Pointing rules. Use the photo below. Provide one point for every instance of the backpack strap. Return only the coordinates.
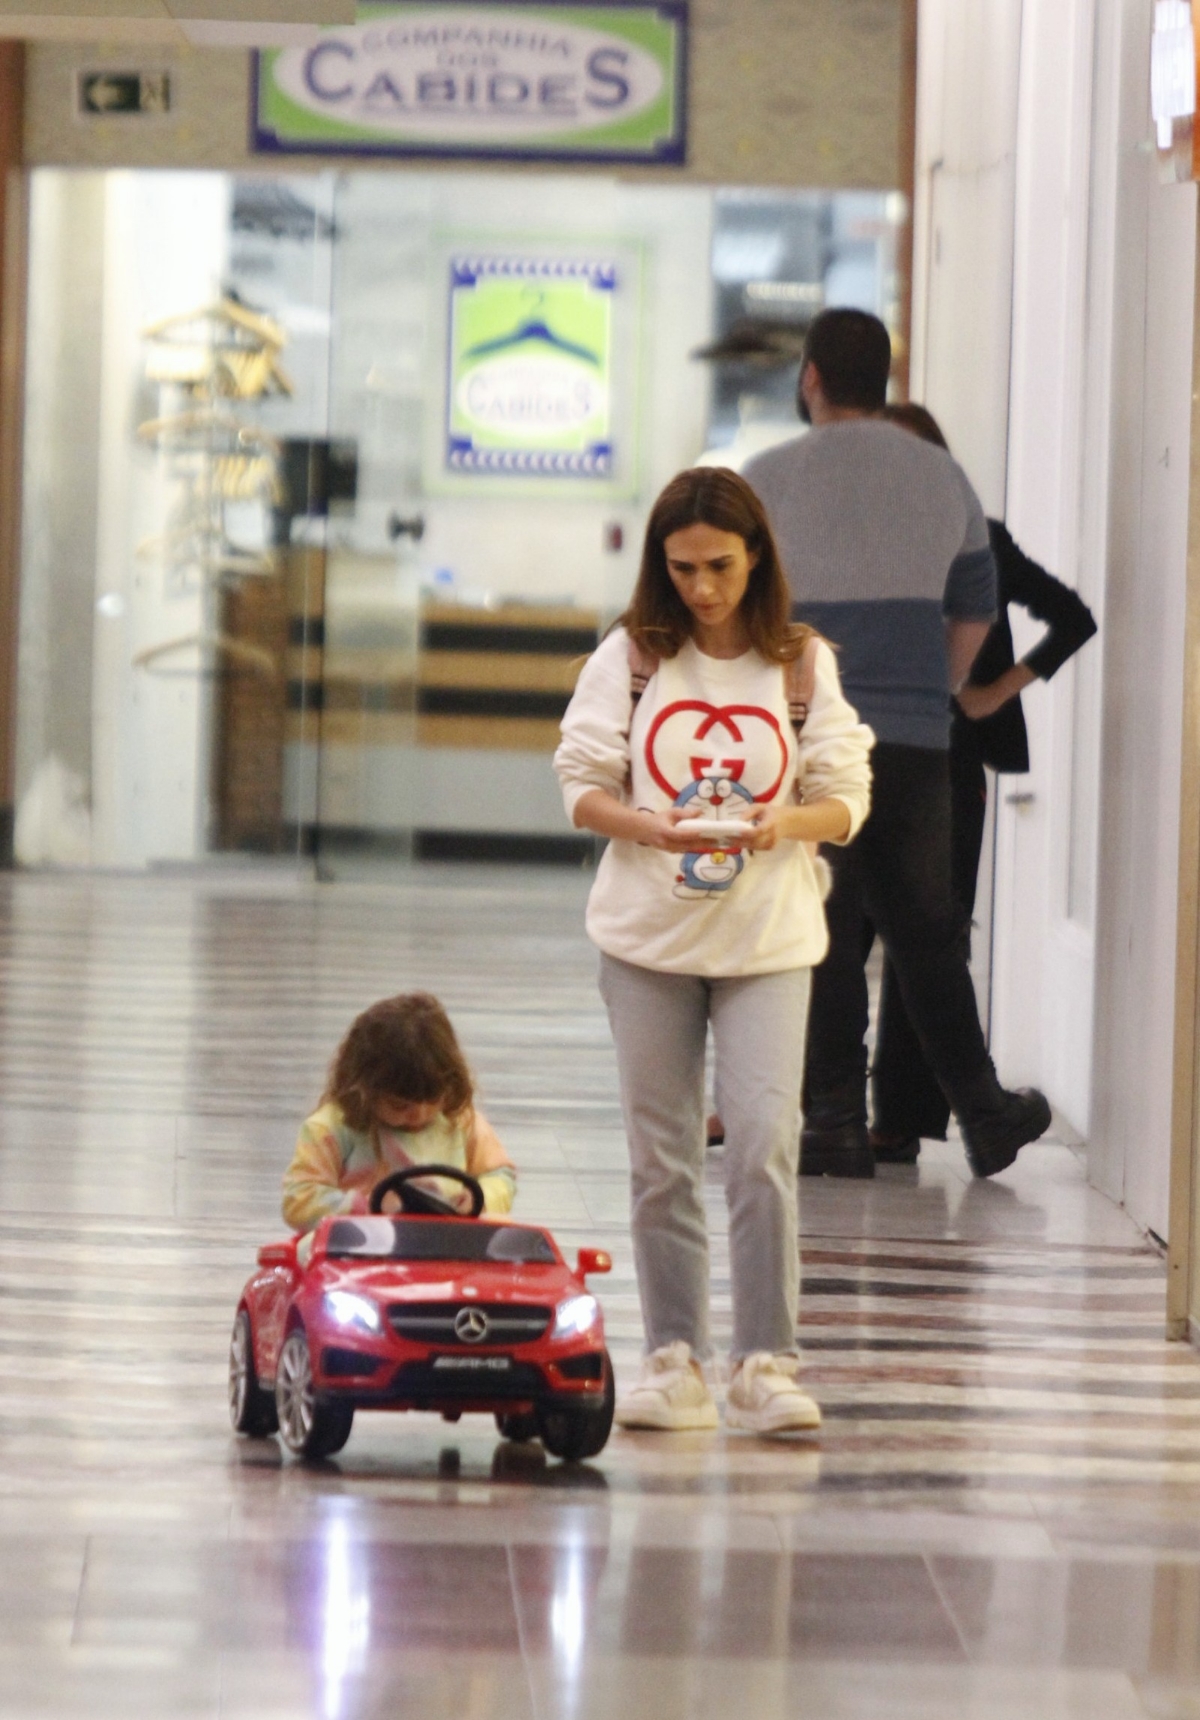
(800, 677)
(641, 666)
(800, 682)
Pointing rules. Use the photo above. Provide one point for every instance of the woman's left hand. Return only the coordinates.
(814, 821)
(769, 828)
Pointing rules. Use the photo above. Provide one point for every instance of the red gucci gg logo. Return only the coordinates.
(738, 737)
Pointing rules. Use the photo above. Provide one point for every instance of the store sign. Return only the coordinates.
(550, 82)
(529, 390)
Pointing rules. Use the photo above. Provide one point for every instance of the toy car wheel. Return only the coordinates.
(574, 1433)
(251, 1409)
(308, 1427)
(521, 1426)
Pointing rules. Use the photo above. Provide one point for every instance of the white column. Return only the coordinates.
(166, 238)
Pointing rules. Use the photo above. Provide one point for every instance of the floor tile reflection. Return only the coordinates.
(1001, 1516)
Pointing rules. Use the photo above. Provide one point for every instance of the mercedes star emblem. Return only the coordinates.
(471, 1325)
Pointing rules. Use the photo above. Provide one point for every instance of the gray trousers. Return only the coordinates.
(659, 1023)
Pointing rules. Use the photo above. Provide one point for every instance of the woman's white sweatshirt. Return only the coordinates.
(711, 734)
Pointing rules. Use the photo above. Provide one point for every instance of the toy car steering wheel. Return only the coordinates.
(423, 1200)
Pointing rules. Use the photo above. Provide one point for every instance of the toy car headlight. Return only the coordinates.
(578, 1314)
(347, 1309)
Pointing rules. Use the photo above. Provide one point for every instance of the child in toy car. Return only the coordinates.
(428, 1309)
(444, 1306)
(399, 1094)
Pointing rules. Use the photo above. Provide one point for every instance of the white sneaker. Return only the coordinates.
(763, 1396)
(671, 1395)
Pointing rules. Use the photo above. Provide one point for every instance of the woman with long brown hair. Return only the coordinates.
(708, 739)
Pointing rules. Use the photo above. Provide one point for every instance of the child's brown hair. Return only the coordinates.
(401, 1048)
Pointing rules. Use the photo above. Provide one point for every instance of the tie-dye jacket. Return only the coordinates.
(334, 1167)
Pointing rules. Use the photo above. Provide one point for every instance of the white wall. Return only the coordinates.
(61, 479)
(1152, 294)
(113, 761)
(1043, 951)
(164, 254)
(1052, 314)
(967, 81)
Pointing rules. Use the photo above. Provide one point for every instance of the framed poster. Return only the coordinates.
(529, 389)
(511, 80)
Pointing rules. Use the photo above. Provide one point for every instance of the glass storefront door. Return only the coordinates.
(491, 378)
(333, 479)
(164, 604)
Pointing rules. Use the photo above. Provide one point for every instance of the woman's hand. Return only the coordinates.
(602, 812)
(659, 831)
(977, 702)
(771, 827)
(825, 820)
(815, 821)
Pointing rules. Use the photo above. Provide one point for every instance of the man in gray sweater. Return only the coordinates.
(886, 548)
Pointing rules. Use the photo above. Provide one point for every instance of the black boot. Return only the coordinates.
(833, 1141)
(895, 1149)
(839, 1152)
(996, 1123)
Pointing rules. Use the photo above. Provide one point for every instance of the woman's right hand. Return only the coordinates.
(977, 702)
(661, 832)
(602, 812)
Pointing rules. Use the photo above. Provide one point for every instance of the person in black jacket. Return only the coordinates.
(988, 728)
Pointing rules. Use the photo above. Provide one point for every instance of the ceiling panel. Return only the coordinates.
(263, 11)
(208, 23)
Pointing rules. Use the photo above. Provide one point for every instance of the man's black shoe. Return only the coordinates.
(995, 1137)
(895, 1149)
(842, 1151)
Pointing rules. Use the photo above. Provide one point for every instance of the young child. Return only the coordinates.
(399, 1094)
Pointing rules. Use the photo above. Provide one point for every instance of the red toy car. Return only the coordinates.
(422, 1309)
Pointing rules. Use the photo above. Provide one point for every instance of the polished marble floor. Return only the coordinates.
(1000, 1518)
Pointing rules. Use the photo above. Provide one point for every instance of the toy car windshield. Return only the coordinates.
(422, 1239)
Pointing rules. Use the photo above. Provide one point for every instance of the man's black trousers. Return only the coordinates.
(907, 1101)
(896, 877)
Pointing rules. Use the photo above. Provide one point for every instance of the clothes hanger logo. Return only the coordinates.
(533, 330)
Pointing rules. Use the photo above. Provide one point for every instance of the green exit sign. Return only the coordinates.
(115, 93)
